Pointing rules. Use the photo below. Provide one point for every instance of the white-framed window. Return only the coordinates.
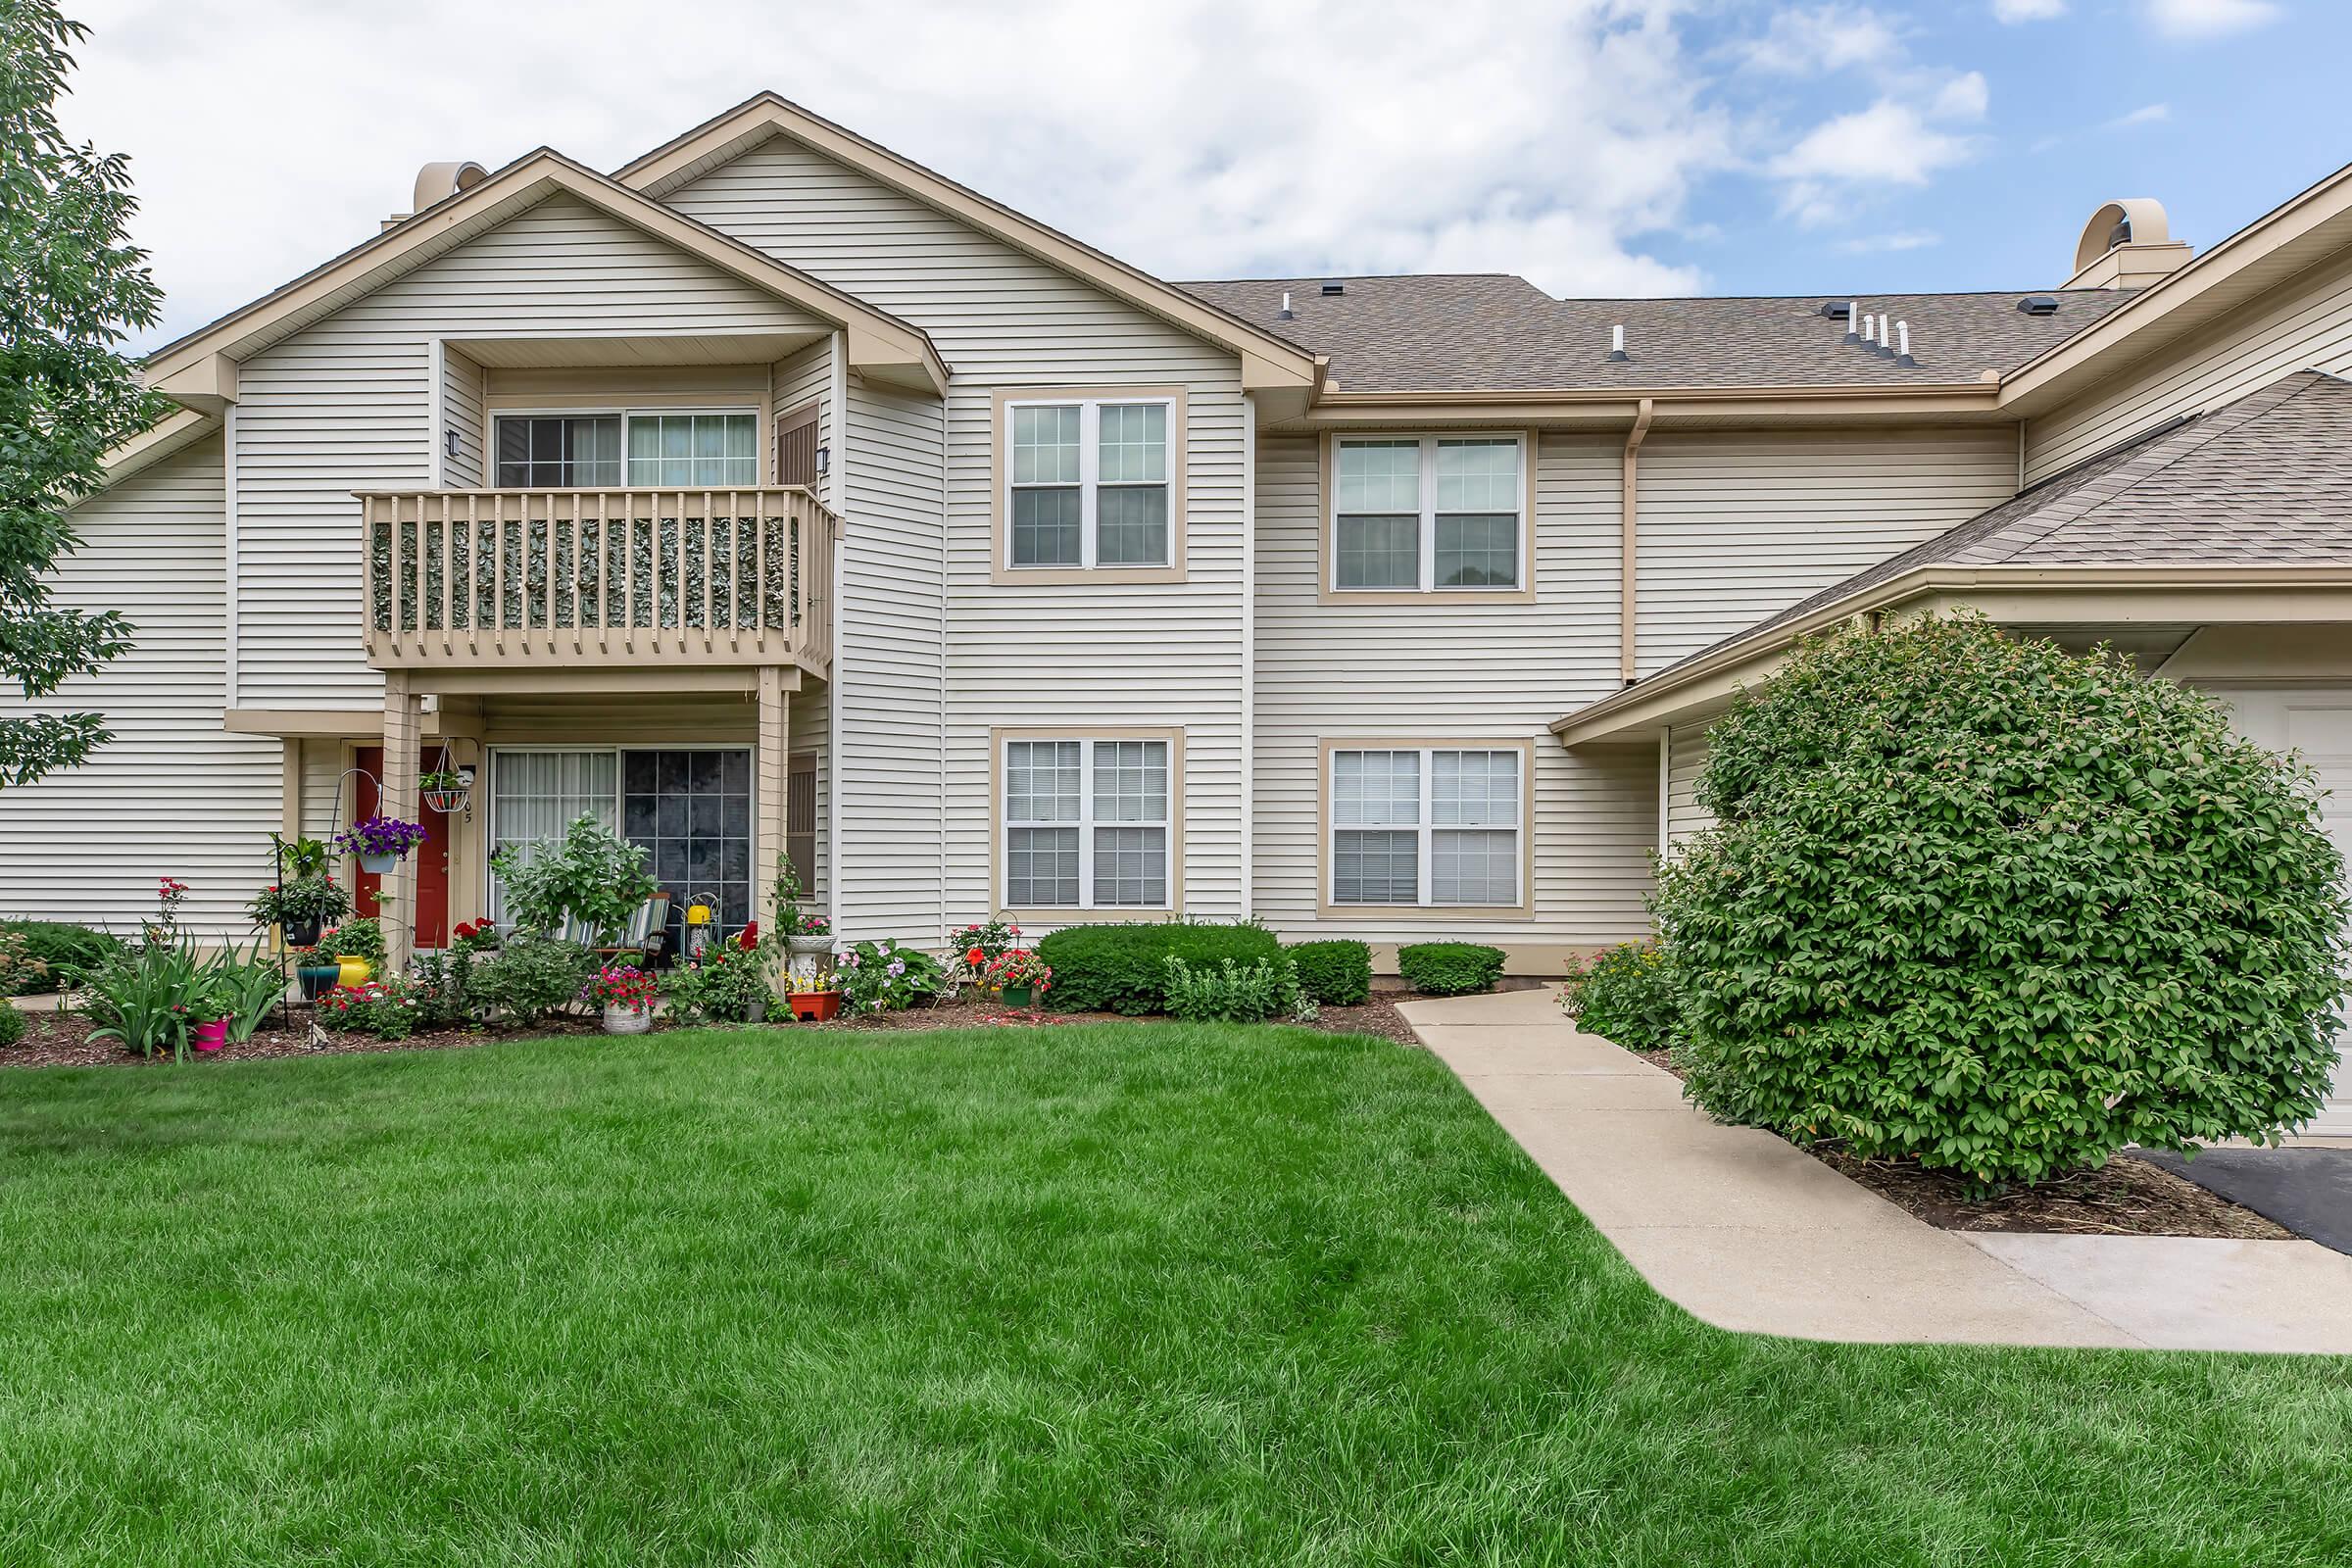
(1428, 826)
(1088, 823)
(1429, 514)
(637, 448)
(1089, 482)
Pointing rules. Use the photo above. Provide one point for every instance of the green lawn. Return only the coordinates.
(1118, 1294)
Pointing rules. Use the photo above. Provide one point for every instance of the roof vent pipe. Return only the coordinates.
(1902, 338)
(1854, 313)
(1886, 339)
(1286, 313)
(1870, 332)
(1617, 343)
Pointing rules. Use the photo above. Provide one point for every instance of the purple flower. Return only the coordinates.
(898, 968)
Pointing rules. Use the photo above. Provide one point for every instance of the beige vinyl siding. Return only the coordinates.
(2306, 325)
(807, 377)
(1111, 657)
(462, 411)
(1505, 669)
(891, 668)
(1686, 753)
(1739, 525)
(345, 405)
(171, 794)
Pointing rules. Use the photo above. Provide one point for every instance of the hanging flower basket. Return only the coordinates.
(380, 842)
(446, 791)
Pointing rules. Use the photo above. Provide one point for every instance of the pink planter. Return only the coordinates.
(212, 1035)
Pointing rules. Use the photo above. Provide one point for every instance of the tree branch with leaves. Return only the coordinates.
(71, 288)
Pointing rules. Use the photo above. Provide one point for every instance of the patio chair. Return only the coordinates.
(645, 935)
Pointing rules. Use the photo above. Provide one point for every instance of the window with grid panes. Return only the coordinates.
(1088, 483)
(1425, 513)
(1087, 825)
(1427, 827)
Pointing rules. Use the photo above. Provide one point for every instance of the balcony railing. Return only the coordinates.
(503, 577)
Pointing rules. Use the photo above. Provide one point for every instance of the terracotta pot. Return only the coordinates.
(212, 1035)
(624, 1020)
(814, 1006)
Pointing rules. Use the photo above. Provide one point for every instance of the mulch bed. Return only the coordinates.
(61, 1039)
(2124, 1196)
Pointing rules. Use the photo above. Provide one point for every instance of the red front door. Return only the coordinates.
(431, 859)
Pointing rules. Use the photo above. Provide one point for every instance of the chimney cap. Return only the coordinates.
(439, 181)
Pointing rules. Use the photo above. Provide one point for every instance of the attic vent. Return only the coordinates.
(1330, 289)
(2038, 305)
(1837, 310)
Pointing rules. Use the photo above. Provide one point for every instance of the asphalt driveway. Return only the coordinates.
(2306, 1190)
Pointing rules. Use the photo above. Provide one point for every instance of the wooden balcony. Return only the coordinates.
(489, 579)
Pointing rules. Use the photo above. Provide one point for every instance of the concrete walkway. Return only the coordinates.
(1747, 1233)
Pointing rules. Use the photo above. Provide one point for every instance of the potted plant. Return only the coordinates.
(815, 1000)
(316, 970)
(627, 993)
(380, 842)
(209, 1013)
(1018, 977)
(806, 933)
(445, 789)
(300, 908)
(359, 949)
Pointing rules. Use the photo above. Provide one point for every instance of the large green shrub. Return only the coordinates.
(1337, 974)
(2001, 908)
(1449, 968)
(530, 976)
(1627, 994)
(591, 879)
(57, 947)
(1124, 968)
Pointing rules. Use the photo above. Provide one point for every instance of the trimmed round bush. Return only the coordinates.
(12, 1024)
(1336, 974)
(60, 947)
(1975, 901)
(1124, 968)
(1449, 968)
(1626, 995)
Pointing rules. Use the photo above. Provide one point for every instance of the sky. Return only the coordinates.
(1597, 147)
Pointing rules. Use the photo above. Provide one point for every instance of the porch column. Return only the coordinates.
(404, 723)
(770, 769)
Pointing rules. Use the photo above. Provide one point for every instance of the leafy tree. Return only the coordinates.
(2001, 908)
(70, 286)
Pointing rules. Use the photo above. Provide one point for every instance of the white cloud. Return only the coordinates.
(1846, 158)
(1906, 239)
(2209, 18)
(1196, 138)
(1964, 97)
(2144, 115)
(2014, 11)
(1819, 38)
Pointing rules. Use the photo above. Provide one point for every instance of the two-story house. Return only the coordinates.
(774, 492)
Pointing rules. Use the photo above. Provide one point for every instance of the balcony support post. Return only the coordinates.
(404, 725)
(771, 766)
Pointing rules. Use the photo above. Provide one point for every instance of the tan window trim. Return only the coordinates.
(1327, 527)
(1174, 907)
(1426, 914)
(999, 436)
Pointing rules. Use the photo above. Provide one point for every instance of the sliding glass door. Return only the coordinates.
(689, 807)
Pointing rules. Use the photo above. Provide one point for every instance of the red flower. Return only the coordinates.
(975, 957)
(748, 937)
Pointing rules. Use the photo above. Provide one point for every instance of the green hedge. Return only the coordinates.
(59, 946)
(1449, 968)
(1626, 995)
(1124, 968)
(1977, 901)
(1337, 974)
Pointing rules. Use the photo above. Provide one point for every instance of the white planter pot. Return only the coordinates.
(620, 1020)
(809, 947)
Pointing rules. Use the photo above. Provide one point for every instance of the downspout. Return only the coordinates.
(1249, 692)
(944, 686)
(1629, 539)
(228, 564)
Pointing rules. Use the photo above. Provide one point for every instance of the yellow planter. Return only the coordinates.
(351, 969)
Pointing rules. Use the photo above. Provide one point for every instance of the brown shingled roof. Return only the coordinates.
(1453, 331)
